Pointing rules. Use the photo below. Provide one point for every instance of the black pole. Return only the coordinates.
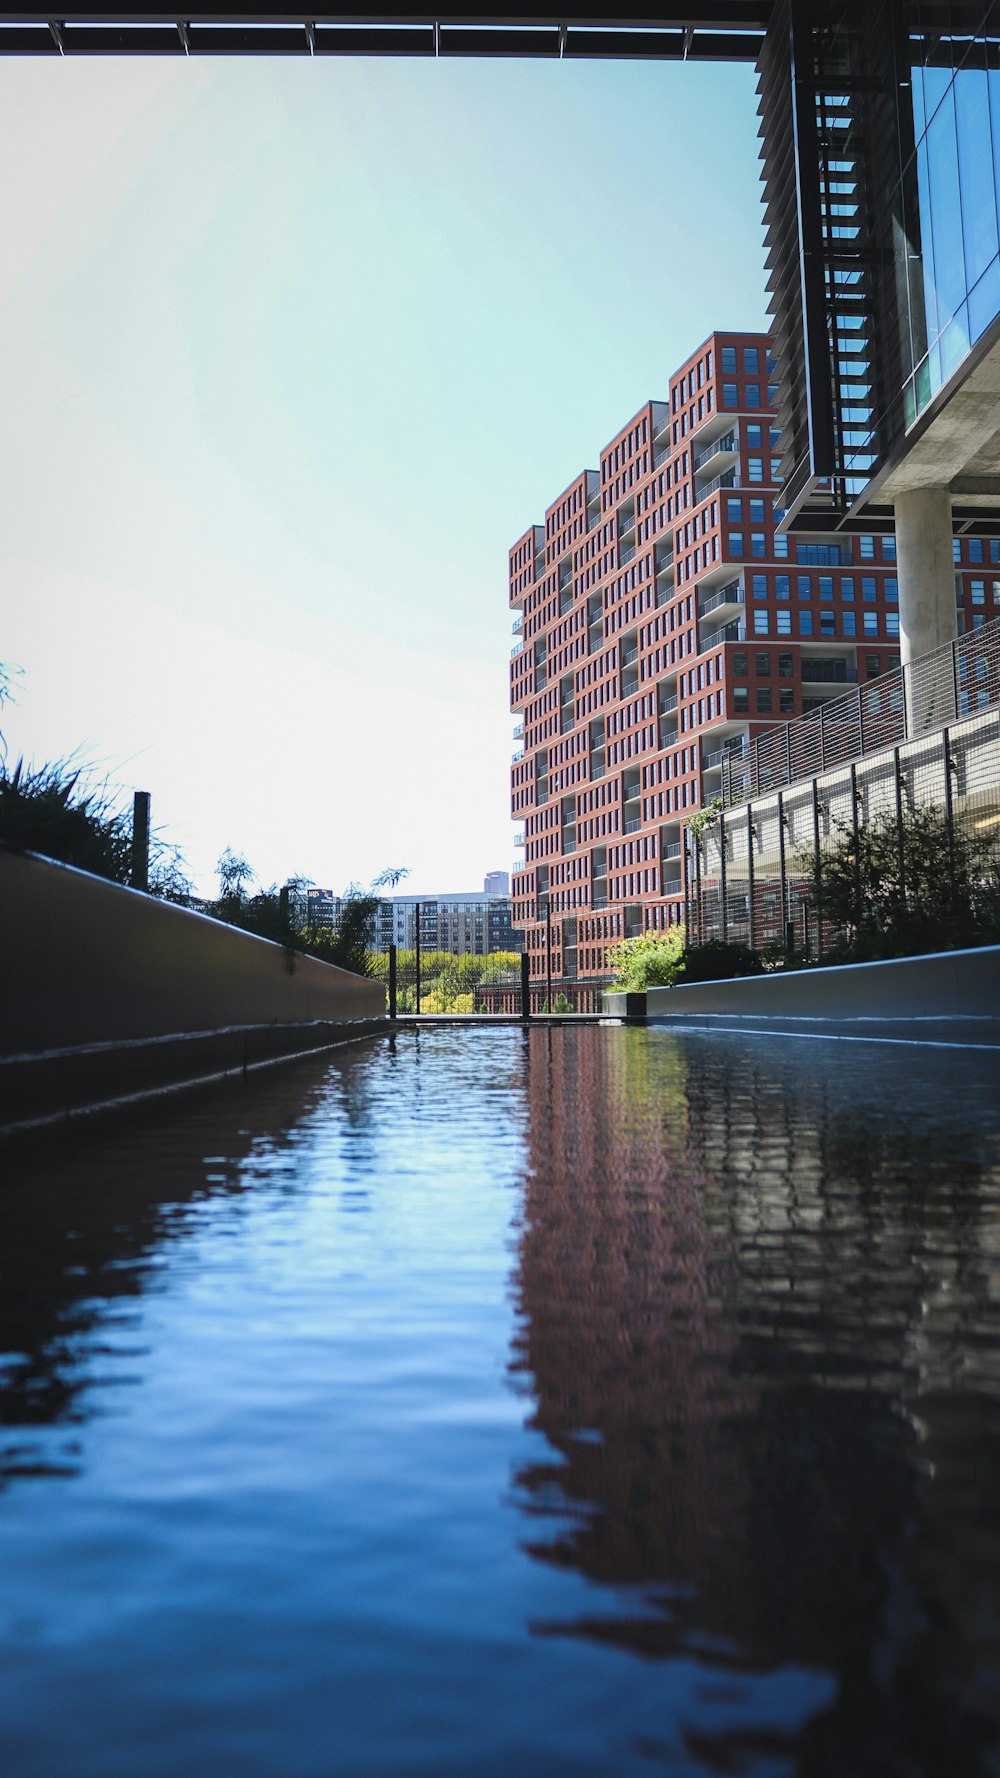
(783, 870)
(750, 882)
(722, 876)
(899, 823)
(525, 985)
(392, 981)
(949, 807)
(856, 829)
(139, 870)
(818, 874)
(417, 947)
(548, 953)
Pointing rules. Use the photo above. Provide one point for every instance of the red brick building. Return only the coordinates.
(661, 622)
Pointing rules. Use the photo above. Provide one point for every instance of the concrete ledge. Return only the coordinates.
(950, 997)
(54, 1084)
(84, 962)
(620, 1005)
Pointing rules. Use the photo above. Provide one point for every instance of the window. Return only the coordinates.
(892, 625)
(784, 623)
(786, 701)
(995, 549)
(849, 623)
(734, 510)
(760, 623)
(741, 700)
(956, 550)
(782, 586)
(873, 666)
(755, 469)
(871, 623)
(786, 667)
(755, 441)
(827, 623)
(847, 586)
(826, 586)
(756, 512)
(868, 588)
(763, 700)
(978, 592)
(805, 586)
(805, 623)
(751, 361)
(780, 543)
(740, 663)
(730, 397)
(729, 361)
(751, 394)
(762, 666)
(866, 548)
(889, 550)
(758, 543)
(735, 541)
(760, 586)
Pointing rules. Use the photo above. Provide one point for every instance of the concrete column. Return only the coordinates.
(926, 569)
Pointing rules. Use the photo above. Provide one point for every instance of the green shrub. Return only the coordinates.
(716, 961)
(654, 960)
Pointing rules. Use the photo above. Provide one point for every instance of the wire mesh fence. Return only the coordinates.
(755, 875)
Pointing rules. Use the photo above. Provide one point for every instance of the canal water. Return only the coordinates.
(568, 1402)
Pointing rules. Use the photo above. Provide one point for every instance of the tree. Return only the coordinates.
(895, 890)
(654, 960)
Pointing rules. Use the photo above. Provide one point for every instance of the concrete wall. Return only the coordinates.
(83, 961)
(952, 996)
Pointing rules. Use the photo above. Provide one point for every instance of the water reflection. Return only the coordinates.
(758, 1285)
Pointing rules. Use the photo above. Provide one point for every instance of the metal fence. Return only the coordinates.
(750, 874)
(938, 689)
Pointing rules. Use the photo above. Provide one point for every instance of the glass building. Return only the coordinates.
(881, 151)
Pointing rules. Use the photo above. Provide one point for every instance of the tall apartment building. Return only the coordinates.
(661, 622)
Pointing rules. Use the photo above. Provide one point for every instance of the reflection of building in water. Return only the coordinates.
(759, 1322)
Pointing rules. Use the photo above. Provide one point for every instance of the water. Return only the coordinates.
(591, 1401)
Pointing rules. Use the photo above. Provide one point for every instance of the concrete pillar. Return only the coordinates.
(926, 571)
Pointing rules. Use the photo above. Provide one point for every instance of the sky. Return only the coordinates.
(292, 353)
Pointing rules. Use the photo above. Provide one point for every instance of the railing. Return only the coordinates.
(668, 705)
(516, 755)
(728, 479)
(731, 594)
(728, 442)
(633, 825)
(674, 850)
(734, 632)
(629, 655)
(625, 555)
(955, 681)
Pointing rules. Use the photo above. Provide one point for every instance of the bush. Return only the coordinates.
(948, 897)
(654, 960)
(716, 961)
(55, 810)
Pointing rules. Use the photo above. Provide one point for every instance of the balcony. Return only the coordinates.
(715, 761)
(729, 596)
(629, 655)
(735, 632)
(518, 734)
(667, 706)
(726, 446)
(829, 673)
(668, 737)
(630, 685)
(517, 625)
(674, 850)
(519, 841)
(516, 755)
(625, 554)
(633, 824)
(729, 479)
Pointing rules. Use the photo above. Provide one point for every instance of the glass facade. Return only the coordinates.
(956, 123)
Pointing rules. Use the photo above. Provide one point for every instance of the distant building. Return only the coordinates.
(496, 882)
(463, 924)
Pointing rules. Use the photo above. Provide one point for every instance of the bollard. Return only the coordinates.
(392, 981)
(139, 867)
(525, 986)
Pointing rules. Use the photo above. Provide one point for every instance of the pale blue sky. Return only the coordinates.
(292, 353)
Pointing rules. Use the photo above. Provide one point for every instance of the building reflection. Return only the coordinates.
(759, 1320)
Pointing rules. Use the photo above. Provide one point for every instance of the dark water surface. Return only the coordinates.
(586, 1401)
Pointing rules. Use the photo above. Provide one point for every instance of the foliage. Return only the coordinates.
(57, 810)
(654, 960)
(717, 960)
(706, 817)
(948, 898)
(448, 982)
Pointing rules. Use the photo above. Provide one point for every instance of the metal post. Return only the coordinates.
(782, 872)
(548, 951)
(686, 861)
(752, 913)
(525, 986)
(817, 872)
(954, 678)
(856, 829)
(805, 930)
(788, 753)
(392, 981)
(722, 876)
(139, 868)
(861, 723)
(822, 738)
(417, 947)
(899, 824)
(755, 786)
(949, 807)
(700, 918)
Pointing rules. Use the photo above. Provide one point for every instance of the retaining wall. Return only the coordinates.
(950, 997)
